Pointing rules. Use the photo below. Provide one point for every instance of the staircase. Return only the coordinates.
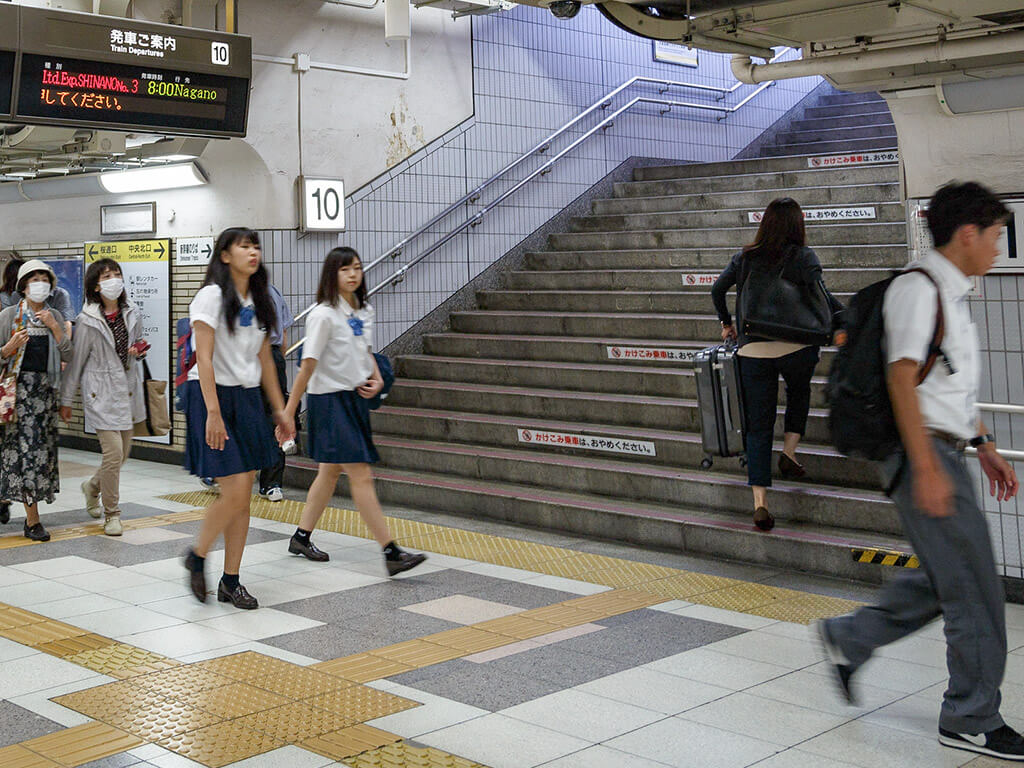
(473, 424)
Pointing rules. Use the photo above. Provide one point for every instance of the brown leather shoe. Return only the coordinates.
(196, 577)
(763, 519)
(789, 469)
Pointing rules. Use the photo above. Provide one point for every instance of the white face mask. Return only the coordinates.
(111, 288)
(38, 292)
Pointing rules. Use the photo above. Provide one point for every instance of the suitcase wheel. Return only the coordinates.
(706, 464)
(743, 461)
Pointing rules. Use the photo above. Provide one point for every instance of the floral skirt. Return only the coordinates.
(28, 447)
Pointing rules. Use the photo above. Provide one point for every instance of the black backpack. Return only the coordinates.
(861, 419)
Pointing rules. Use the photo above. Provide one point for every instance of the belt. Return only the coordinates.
(958, 444)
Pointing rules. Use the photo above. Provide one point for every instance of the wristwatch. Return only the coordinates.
(980, 440)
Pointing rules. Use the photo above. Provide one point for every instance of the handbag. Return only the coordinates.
(9, 378)
(773, 307)
(157, 422)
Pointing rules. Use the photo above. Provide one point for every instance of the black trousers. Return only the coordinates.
(273, 476)
(760, 378)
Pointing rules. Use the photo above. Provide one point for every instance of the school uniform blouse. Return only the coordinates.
(339, 339)
(236, 360)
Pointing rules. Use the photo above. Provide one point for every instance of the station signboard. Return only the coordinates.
(8, 57)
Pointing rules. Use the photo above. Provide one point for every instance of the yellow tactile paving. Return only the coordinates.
(182, 680)
(42, 633)
(221, 744)
(686, 586)
(362, 667)
(16, 756)
(360, 703)
(81, 744)
(744, 597)
(75, 645)
(417, 653)
(237, 700)
(298, 682)
(65, 533)
(12, 618)
(518, 627)
(296, 722)
(806, 608)
(467, 639)
(349, 741)
(245, 666)
(409, 756)
(120, 660)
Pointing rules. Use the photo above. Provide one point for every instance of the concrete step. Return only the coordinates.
(677, 354)
(850, 121)
(655, 302)
(674, 449)
(568, 377)
(756, 200)
(633, 481)
(837, 132)
(852, 98)
(866, 233)
(730, 218)
(716, 259)
(627, 410)
(795, 546)
(637, 326)
(843, 110)
(611, 279)
(832, 146)
(747, 167)
(882, 173)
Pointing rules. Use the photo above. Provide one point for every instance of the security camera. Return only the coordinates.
(565, 9)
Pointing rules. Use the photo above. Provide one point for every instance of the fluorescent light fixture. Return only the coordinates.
(176, 176)
(170, 158)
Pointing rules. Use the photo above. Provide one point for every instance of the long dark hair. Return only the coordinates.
(92, 282)
(780, 235)
(327, 292)
(218, 273)
(11, 275)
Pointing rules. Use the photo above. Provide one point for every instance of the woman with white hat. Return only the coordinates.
(37, 343)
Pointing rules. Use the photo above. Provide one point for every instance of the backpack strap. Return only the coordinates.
(935, 345)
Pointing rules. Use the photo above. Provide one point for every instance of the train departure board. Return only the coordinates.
(8, 56)
(84, 70)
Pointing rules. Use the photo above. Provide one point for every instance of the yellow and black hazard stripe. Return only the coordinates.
(886, 557)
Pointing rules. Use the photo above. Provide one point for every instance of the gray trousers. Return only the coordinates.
(958, 581)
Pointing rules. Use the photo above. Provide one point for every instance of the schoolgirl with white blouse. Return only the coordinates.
(341, 376)
(228, 436)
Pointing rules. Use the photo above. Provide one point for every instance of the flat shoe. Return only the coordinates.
(297, 547)
(791, 470)
(196, 577)
(5, 512)
(36, 532)
(238, 597)
(404, 562)
(763, 519)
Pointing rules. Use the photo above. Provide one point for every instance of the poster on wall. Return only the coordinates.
(70, 274)
(146, 265)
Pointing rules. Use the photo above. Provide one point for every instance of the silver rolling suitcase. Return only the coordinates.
(720, 401)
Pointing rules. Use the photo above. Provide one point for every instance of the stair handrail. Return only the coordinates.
(471, 197)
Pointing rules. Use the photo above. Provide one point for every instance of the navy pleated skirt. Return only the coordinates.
(251, 444)
(339, 429)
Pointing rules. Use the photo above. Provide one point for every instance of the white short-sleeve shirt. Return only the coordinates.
(948, 401)
(339, 339)
(236, 360)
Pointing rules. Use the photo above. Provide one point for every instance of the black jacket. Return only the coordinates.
(802, 268)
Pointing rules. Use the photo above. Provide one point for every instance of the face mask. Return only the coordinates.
(111, 288)
(38, 292)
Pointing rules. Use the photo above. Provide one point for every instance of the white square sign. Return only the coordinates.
(322, 204)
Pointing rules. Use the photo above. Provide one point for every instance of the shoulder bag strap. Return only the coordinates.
(935, 346)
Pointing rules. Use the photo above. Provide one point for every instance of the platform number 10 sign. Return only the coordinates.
(322, 204)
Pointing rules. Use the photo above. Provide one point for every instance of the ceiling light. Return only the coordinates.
(170, 158)
(147, 179)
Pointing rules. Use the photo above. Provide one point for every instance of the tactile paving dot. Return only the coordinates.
(236, 700)
(182, 681)
(299, 682)
(112, 658)
(296, 721)
(246, 666)
(110, 703)
(221, 744)
(360, 703)
(159, 720)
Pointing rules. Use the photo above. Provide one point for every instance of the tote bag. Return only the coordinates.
(157, 422)
(773, 307)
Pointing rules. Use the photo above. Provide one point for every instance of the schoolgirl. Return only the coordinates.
(340, 373)
(228, 436)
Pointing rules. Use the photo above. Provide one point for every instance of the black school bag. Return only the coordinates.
(861, 419)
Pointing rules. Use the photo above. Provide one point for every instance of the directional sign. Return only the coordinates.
(193, 251)
(128, 250)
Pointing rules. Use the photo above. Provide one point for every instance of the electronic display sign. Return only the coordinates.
(6, 82)
(8, 57)
(92, 71)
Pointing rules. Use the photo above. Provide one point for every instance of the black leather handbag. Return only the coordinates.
(773, 307)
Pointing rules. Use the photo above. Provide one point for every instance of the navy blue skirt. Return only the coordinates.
(339, 429)
(250, 445)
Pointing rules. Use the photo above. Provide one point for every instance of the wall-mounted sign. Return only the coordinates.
(855, 158)
(1011, 243)
(106, 72)
(193, 251)
(146, 265)
(128, 219)
(321, 204)
(673, 53)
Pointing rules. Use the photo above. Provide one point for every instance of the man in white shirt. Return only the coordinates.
(934, 492)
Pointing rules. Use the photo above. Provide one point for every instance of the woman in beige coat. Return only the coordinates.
(108, 343)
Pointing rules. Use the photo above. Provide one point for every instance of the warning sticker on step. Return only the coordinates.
(587, 442)
(650, 353)
(860, 213)
(699, 278)
(856, 158)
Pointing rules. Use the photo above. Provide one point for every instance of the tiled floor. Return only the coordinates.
(508, 648)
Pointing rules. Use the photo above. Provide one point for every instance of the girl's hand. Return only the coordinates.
(216, 433)
(285, 429)
(370, 388)
(65, 413)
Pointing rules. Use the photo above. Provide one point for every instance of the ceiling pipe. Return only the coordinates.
(939, 52)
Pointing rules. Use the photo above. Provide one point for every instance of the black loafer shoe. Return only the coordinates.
(196, 577)
(238, 597)
(36, 532)
(763, 519)
(298, 547)
(791, 470)
(5, 512)
(404, 562)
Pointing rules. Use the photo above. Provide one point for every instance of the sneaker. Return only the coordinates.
(842, 672)
(92, 501)
(5, 512)
(210, 484)
(272, 494)
(36, 532)
(1003, 742)
(112, 525)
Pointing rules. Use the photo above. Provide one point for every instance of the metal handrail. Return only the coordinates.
(1017, 410)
